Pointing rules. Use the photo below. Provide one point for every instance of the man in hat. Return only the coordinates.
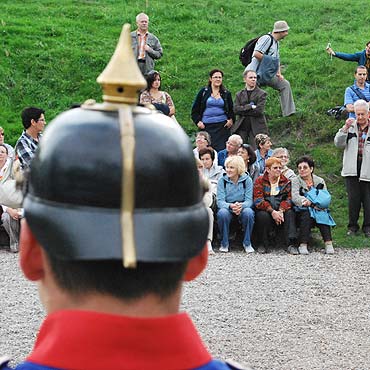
(145, 45)
(267, 47)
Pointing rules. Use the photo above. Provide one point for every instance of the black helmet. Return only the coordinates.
(87, 199)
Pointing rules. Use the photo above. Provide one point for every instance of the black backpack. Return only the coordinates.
(246, 52)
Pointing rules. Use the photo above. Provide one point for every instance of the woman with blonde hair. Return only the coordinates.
(234, 200)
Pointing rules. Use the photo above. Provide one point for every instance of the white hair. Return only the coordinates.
(236, 138)
(361, 103)
(141, 15)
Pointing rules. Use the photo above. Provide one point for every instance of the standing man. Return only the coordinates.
(145, 45)
(233, 143)
(354, 138)
(361, 57)
(359, 90)
(268, 45)
(33, 121)
(250, 106)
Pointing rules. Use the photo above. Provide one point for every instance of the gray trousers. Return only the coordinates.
(286, 96)
(11, 226)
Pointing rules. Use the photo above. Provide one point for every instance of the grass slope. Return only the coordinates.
(52, 52)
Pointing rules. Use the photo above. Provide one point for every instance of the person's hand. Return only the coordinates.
(348, 124)
(280, 76)
(228, 123)
(236, 208)
(330, 51)
(13, 213)
(201, 125)
(278, 217)
(306, 203)
(147, 47)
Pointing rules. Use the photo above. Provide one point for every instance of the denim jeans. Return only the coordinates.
(224, 217)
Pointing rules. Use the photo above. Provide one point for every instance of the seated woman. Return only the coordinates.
(210, 171)
(9, 147)
(212, 110)
(283, 155)
(152, 95)
(208, 201)
(203, 140)
(273, 203)
(263, 152)
(305, 181)
(249, 158)
(234, 199)
(10, 216)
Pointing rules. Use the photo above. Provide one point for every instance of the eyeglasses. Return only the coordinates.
(300, 168)
(231, 144)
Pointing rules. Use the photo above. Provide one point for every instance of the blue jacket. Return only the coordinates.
(228, 192)
(359, 57)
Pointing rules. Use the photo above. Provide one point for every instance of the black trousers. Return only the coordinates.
(358, 195)
(305, 223)
(265, 226)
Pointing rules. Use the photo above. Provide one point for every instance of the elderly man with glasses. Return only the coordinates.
(232, 145)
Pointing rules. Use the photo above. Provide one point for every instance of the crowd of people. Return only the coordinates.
(233, 147)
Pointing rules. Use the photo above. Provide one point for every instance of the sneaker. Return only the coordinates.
(292, 250)
(248, 248)
(329, 249)
(302, 249)
(209, 246)
(223, 249)
(261, 249)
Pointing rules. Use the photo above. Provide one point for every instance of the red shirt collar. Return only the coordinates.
(90, 340)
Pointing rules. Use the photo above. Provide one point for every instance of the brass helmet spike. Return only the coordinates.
(122, 79)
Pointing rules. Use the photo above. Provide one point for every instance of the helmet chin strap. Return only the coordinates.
(128, 186)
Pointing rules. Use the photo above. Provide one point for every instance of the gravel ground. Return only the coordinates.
(273, 311)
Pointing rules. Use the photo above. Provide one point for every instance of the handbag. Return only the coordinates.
(338, 112)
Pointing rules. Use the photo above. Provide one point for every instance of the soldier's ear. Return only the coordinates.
(30, 254)
(196, 265)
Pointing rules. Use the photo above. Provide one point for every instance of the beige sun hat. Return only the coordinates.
(280, 26)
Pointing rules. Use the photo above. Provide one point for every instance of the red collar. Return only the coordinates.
(89, 340)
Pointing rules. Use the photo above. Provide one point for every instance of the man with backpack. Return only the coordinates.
(359, 90)
(266, 62)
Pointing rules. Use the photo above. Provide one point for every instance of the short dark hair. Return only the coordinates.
(150, 78)
(110, 277)
(209, 150)
(306, 159)
(29, 114)
(360, 67)
(251, 153)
